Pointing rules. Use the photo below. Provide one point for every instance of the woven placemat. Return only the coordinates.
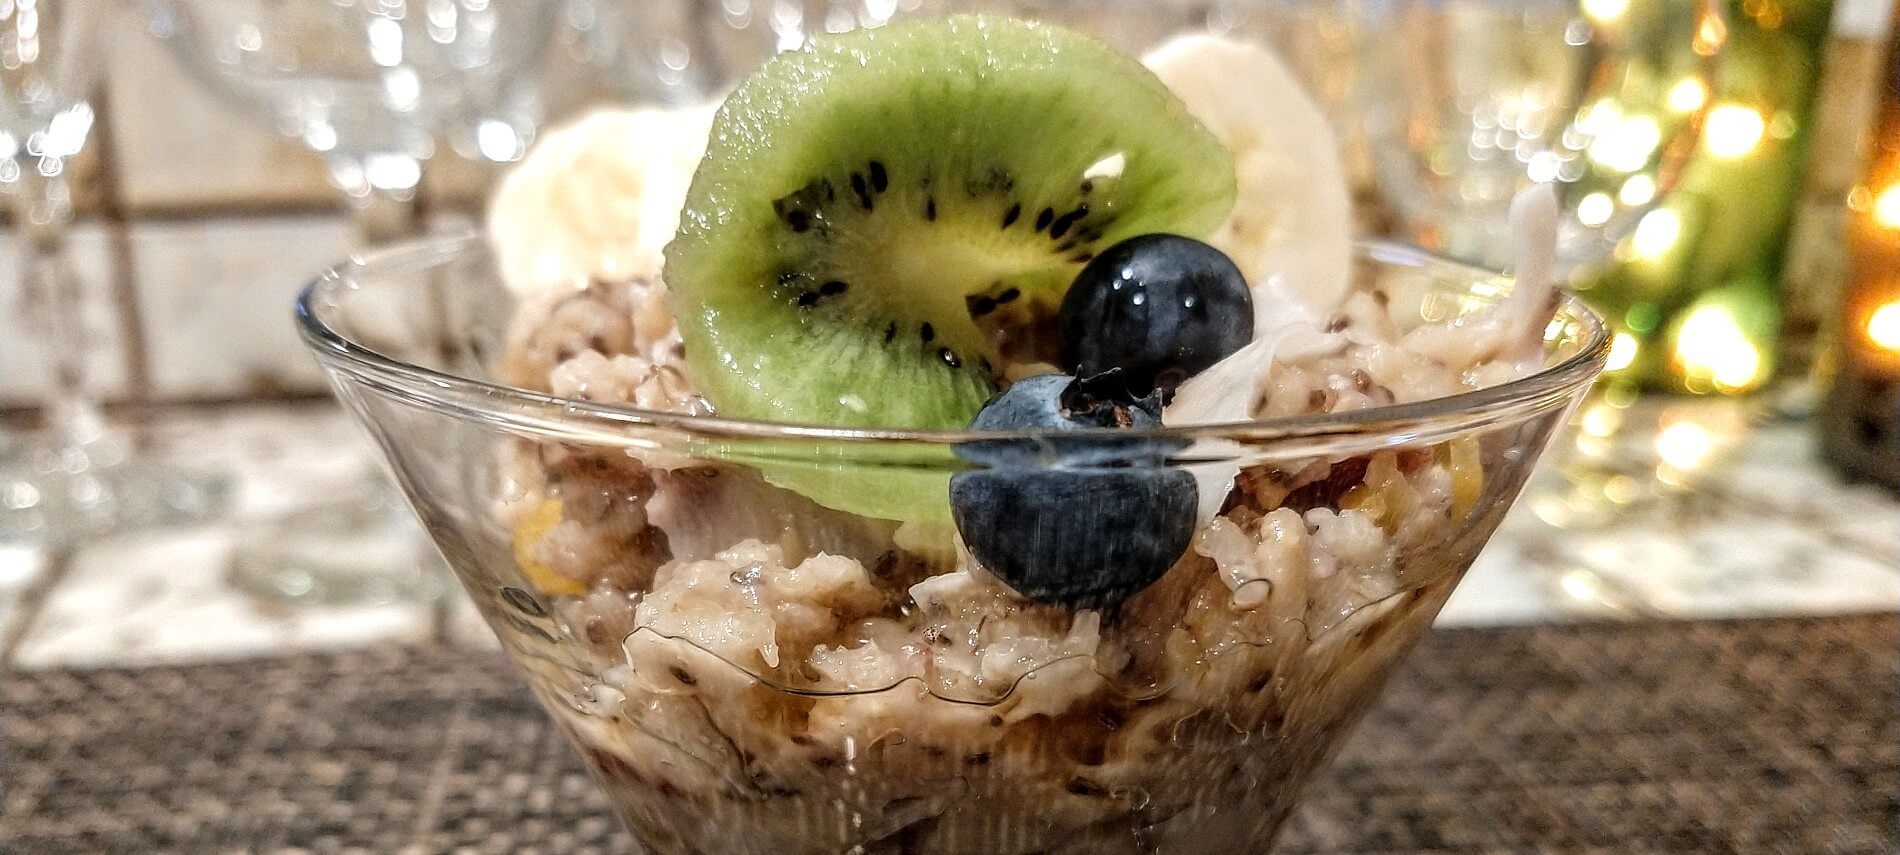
(1751, 736)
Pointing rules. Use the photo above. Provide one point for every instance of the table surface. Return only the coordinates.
(1565, 707)
(1698, 509)
(1752, 736)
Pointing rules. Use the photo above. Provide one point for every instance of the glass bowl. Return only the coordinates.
(745, 669)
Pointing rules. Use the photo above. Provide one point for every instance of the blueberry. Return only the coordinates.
(1077, 522)
(1161, 308)
(1055, 403)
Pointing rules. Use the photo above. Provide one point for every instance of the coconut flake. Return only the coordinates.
(1512, 330)
(1223, 394)
(1533, 300)
(1227, 391)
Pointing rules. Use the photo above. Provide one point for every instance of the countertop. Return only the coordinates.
(1666, 508)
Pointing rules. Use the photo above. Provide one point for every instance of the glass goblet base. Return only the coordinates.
(52, 494)
(363, 549)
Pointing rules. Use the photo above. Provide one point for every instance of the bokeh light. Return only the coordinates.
(1887, 207)
(1688, 95)
(1639, 190)
(1656, 234)
(1684, 444)
(1627, 146)
(1595, 209)
(1883, 327)
(1733, 130)
(1623, 350)
(1711, 347)
(1606, 11)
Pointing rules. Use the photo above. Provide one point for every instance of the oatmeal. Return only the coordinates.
(754, 665)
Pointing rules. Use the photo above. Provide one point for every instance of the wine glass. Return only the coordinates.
(81, 478)
(677, 52)
(370, 86)
(1465, 102)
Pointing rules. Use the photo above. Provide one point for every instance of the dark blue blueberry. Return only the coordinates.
(1077, 522)
(1162, 308)
(1055, 404)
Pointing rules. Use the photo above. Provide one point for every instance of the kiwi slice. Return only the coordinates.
(866, 203)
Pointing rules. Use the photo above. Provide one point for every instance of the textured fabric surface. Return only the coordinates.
(1751, 736)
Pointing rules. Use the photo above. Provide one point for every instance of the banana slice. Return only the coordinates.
(597, 199)
(1291, 231)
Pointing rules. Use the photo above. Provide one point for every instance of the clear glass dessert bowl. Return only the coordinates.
(746, 669)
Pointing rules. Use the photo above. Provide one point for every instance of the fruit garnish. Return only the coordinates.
(856, 194)
(1082, 524)
(1291, 229)
(1466, 460)
(528, 533)
(596, 199)
(1290, 232)
(862, 199)
(1159, 308)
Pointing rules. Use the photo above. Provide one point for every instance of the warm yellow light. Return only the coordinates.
(1711, 346)
(1688, 95)
(1733, 130)
(1709, 35)
(1600, 420)
(1600, 117)
(1622, 352)
(1580, 585)
(1883, 327)
(1627, 147)
(1887, 207)
(1638, 191)
(1741, 372)
(1605, 11)
(1621, 489)
(1684, 444)
(1656, 233)
(1595, 209)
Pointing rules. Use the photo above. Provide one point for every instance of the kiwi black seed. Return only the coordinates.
(918, 176)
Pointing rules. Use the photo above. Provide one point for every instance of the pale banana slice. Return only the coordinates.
(597, 199)
(1291, 230)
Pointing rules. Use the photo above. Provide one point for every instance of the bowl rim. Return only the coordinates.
(525, 410)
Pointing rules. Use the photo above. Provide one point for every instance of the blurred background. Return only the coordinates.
(178, 486)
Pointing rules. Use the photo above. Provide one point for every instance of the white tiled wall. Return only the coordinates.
(23, 363)
(180, 146)
(226, 223)
(216, 298)
(217, 245)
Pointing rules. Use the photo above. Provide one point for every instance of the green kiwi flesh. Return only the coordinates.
(866, 201)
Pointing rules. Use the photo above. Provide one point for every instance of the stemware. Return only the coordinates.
(81, 478)
(1459, 104)
(1465, 102)
(677, 52)
(371, 86)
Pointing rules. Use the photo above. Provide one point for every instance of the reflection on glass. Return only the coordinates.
(81, 478)
(1447, 107)
(370, 86)
(1467, 101)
